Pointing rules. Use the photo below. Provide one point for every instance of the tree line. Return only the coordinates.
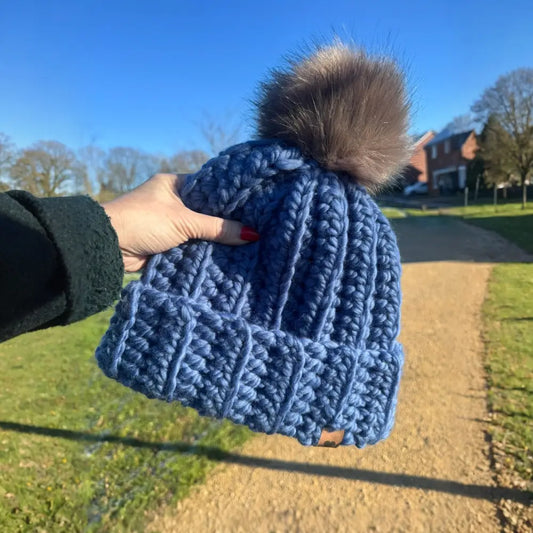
(50, 168)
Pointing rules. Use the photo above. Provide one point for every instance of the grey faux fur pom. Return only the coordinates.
(342, 108)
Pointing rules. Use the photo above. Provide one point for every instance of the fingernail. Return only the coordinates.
(249, 234)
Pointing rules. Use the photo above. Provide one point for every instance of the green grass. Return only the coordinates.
(393, 212)
(57, 470)
(508, 317)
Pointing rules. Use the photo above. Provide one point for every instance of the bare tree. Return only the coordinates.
(44, 169)
(182, 162)
(7, 154)
(218, 134)
(164, 164)
(124, 168)
(92, 168)
(510, 103)
(187, 161)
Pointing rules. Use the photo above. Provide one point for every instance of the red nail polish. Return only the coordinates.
(249, 234)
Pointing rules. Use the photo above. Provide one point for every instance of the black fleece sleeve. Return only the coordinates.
(59, 261)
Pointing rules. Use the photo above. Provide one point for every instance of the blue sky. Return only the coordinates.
(144, 73)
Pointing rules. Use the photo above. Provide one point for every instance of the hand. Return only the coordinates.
(152, 219)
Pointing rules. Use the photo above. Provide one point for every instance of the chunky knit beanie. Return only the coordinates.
(295, 334)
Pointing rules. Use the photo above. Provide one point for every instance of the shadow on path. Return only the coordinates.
(216, 454)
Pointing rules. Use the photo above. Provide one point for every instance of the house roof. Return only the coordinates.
(421, 137)
(456, 139)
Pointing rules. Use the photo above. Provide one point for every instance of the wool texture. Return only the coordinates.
(293, 334)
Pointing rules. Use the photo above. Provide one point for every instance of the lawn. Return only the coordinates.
(508, 321)
(78, 451)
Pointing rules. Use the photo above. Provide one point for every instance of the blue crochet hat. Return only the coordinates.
(295, 334)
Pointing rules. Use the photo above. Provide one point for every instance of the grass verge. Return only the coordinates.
(78, 451)
(508, 324)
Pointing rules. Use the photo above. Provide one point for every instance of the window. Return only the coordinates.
(434, 151)
(447, 146)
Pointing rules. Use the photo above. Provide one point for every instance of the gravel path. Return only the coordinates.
(433, 473)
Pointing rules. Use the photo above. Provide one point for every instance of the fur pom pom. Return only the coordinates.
(344, 109)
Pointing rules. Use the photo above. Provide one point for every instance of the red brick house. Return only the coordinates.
(448, 156)
(416, 170)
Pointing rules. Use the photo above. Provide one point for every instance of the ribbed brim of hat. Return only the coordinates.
(173, 348)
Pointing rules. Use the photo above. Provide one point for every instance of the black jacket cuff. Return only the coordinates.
(88, 251)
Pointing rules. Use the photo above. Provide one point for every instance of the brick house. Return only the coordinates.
(416, 170)
(448, 156)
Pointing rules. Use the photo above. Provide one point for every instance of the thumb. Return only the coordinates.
(221, 230)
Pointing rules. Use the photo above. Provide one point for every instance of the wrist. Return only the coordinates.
(132, 262)
(114, 219)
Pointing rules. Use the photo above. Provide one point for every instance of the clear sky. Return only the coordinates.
(144, 73)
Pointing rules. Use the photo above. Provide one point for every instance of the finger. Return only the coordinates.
(222, 231)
